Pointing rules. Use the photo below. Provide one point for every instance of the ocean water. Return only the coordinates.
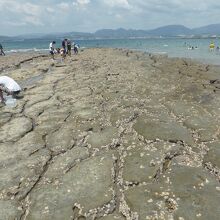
(173, 47)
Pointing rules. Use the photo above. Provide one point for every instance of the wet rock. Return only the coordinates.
(9, 210)
(193, 189)
(206, 126)
(141, 165)
(112, 217)
(213, 154)
(51, 119)
(21, 174)
(15, 129)
(88, 184)
(152, 113)
(103, 137)
(86, 113)
(152, 130)
(61, 140)
(147, 201)
(4, 117)
(38, 108)
(63, 164)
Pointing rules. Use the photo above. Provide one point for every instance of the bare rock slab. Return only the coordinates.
(168, 131)
(88, 184)
(14, 129)
(9, 210)
(213, 155)
(103, 138)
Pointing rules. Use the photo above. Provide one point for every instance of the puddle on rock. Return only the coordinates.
(10, 101)
(32, 80)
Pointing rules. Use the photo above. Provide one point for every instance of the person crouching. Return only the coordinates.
(8, 86)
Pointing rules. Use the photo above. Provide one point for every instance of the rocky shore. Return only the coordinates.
(110, 134)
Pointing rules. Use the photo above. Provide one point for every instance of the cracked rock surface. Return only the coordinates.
(110, 134)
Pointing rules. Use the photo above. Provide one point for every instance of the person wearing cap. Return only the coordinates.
(8, 86)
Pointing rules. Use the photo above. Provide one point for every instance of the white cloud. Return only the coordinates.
(33, 21)
(31, 9)
(16, 24)
(81, 3)
(90, 15)
(118, 3)
(64, 6)
(50, 10)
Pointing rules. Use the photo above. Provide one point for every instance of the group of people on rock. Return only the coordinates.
(11, 87)
(7, 84)
(66, 48)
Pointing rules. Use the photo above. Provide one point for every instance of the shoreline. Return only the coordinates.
(205, 61)
(111, 134)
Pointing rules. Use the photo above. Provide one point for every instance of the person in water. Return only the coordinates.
(1, 50)
(211, 46)
(8, 86)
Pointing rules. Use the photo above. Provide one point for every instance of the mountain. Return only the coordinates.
(171, 30)
(165, 31)
(120, 33)
(4, 38)
(212, 29)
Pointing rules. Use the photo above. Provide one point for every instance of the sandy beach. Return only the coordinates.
(110, 134)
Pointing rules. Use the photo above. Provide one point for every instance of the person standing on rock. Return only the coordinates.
(52, 49)
(76, 47)
(64, 45)
(1, 50)
(9, 86)
(69, 47)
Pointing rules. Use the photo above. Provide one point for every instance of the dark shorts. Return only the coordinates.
(16, 92)
(52, 52)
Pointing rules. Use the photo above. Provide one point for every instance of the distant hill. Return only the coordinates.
(4, 38)
(120, 33)
(165, 31)
(171, 30)
(212, 29)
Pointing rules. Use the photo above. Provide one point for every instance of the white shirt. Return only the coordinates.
(9, 83)
(51, 47)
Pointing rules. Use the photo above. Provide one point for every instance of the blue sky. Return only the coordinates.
(46, 16)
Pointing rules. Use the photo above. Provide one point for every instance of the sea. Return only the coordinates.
(197, 49)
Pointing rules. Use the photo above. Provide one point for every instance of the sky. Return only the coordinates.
(49, 16)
